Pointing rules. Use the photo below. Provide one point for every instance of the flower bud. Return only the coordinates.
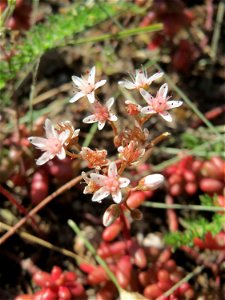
(151, 182)
(136, 214)
(111, 214)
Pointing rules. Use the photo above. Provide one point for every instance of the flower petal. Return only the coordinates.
(61, 154)
(140, 78)
(173, 104)
(112, 170)
(101, 125)
(64, 136)
(117, 196)
(91, 77)
(77, 97)
(90, 119)
(124, 182)
(148, 97)
(166, 116)
(127, 84)
(44, 158)
(148, 110)
(99, 83)
(163, 90)
(91, 97)
(78, 81)
(154, 77)
(50, 130)
(98, 178)
(38, 141)
(112, 118)
(100, 194)
(109, 103)
(76, 133)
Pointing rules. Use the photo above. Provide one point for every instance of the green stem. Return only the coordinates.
(119, 35)
(179, 283)
(182, 206)
(77, 230)
(90, 135)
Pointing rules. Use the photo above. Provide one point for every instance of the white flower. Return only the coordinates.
(86, 87)
(151, 182)
(52, 145)
(101, 114)
(159, 104)
(140, 80)
(110, 184)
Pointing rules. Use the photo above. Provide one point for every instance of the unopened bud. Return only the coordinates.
(111, 214)
(136, 214)
(151, 182)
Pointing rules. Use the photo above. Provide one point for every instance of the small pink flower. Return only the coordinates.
(159, 104)
(131, 153)
(52, 145)
(101, 114)
(110, 185)
(86, 87)
(140, 80)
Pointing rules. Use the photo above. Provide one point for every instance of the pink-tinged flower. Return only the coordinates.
(133, 109)
(151, 182)
(101, 114)
(140, 80)
(86, 87)
(159, 104)
(52, 145)
(110, 184)
(95, 158)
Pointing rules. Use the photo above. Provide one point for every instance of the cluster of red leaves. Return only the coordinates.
(192, 174)
(57, 285)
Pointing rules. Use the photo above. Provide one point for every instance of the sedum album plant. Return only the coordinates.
(108, 176)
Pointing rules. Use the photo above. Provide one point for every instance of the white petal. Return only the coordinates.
(148, 110)
(124, 182)
(76, 132)
(120, 149)
(112, 118)
(100, 194)
(173, 104)
(91, 77)
(38, 141)
(77, 97)
(163, 90)
(117, 196)
(127, 84)
(90, 119)
(61, 154)
(99, 83)
(112, 170)
(140, 78)
(166, 116)
(50, 130)
(79, 82)
(154, 77)
(101, 125)
(98, 178)
(44, 158)
(64, 136)
(148, 97)
(109, 103)
(91, 97)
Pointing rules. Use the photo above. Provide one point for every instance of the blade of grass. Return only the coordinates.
(77, 230)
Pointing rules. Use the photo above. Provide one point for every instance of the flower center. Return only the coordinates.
(88, 88)
(53, 146)
(159, 104)
(111, 183)
(101, 112)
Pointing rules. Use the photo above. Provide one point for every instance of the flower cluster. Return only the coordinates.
(132, 144)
